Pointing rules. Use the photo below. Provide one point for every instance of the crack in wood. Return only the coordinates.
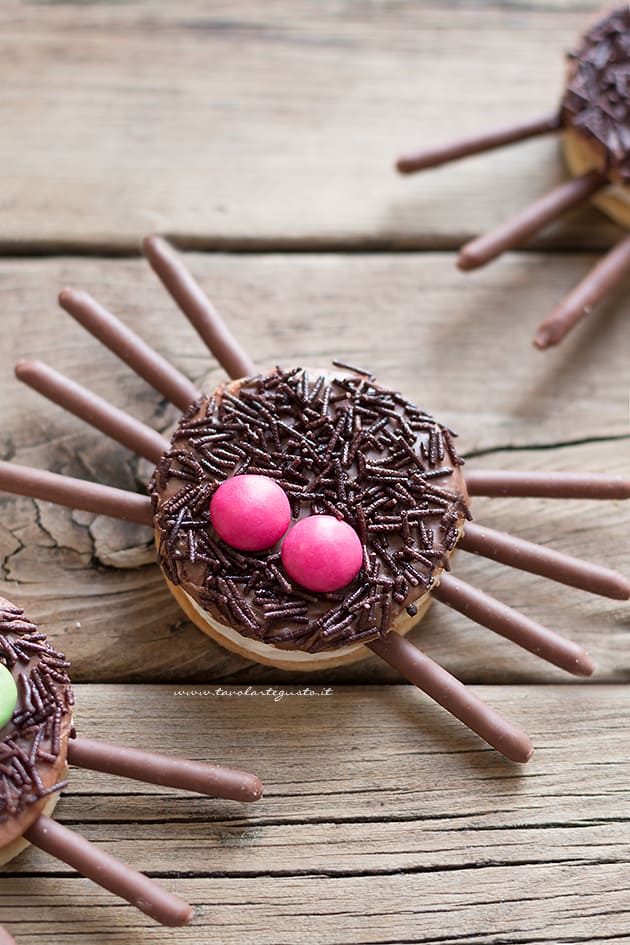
(533, 447)
(259, 823)
(332, 874)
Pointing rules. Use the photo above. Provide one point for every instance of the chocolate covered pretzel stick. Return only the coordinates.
(75, 493)
(108, 872)
(126, 345)
(197, 308)
(529, 556)
(453, 696)
(477, 144)
(512, 625)
(529, 221)
(585, 296)
(100, 414)
(154, 768)
(549, 485)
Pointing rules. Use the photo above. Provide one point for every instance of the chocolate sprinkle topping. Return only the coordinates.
(339, 445)
(32, 737)
(597, 100)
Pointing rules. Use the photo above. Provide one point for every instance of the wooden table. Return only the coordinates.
(261, 137)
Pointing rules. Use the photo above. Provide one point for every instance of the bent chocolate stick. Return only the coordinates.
(453, 696)
(75, 493)
(546, 485)
(196, 306)
(477, 144)
(585, 296)
(154, 768)
(126, 345)
(529, 556)
(529, 221)
(108, 872)
(100, 414)
(512, 625)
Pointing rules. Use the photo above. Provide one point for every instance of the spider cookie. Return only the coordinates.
(38, 743)
(594, 120)
(307, 517)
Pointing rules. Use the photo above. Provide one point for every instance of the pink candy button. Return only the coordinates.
(250, 513)
(322, 553)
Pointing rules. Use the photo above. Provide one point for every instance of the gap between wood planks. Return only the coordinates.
(306, 246)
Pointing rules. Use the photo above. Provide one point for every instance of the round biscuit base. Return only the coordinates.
(581, 157)
(270, 655)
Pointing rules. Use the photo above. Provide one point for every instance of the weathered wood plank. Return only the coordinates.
(444, 341)
(523, 905)
(459, 345)
(373, 310)
(382, 821)
(225, 126)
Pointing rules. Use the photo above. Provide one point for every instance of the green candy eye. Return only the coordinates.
(8, 695)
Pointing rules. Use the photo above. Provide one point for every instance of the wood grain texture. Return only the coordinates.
(247, 126)
(383, 821)
(236, 124)
(515, 407)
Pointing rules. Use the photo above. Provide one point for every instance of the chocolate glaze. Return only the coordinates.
(452, 695)
(597, 100)
(111, 421)
(537, 559)
(108, 872)
(513, 625)
(32, 743)
(131, 349)
(155, 768)
(339, 445)
(197, 308)
(75, 493)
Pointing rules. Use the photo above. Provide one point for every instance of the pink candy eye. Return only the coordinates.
(250, 513)
(322, 553)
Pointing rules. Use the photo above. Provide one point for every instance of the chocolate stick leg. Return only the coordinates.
(131, 349)
(477, 144)
(75, 493)
(528, 556)
(94, 410)
(581, 300)
(108, 872)
(529, 221)
(503, 483)
(197, 308)
(213, 780)
(509, 623)
(453, 696)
